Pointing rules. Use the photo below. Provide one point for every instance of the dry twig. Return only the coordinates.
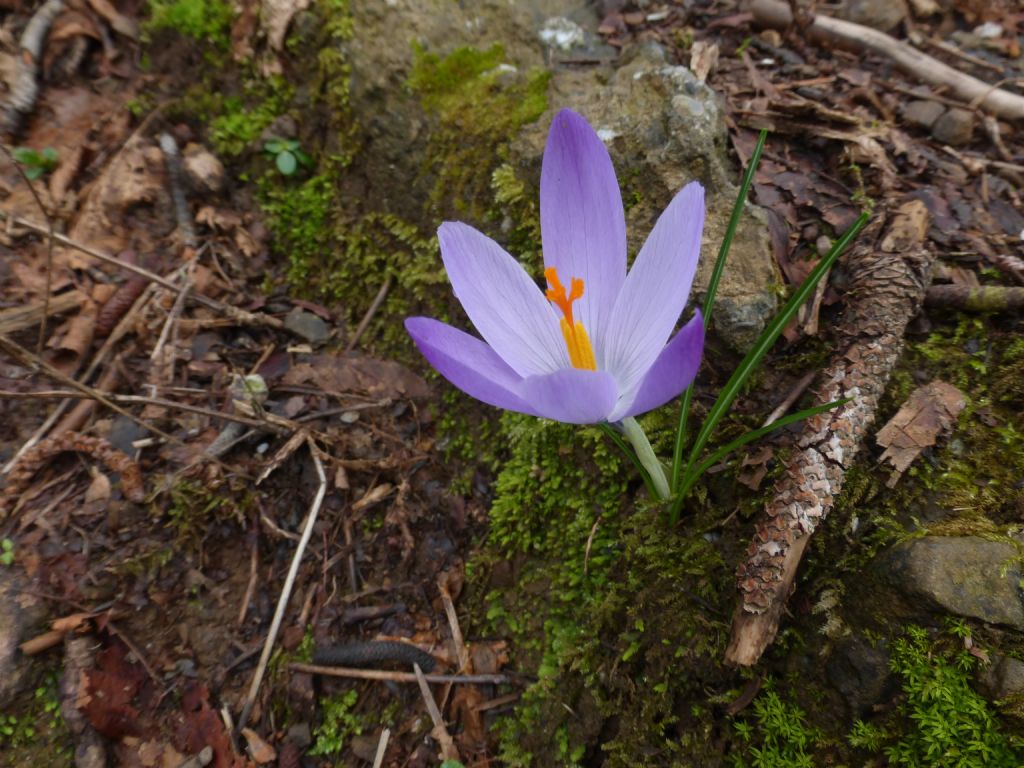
(777, 14)
(286, 590)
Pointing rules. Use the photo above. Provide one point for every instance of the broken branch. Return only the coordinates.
(777, 14)
(887, 290)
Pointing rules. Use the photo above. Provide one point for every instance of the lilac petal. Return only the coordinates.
(582, 224)
(572, 395)
(672, 372)
(505, 305)
(468, 363)
(655, 290)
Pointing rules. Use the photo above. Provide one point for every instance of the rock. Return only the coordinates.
(306, 325)
(955, 127)
(662, 126)
(962, 575)
(20, 615)
(204, 171)
(923, 112)
(663, 129)
(1003, 678)
(883, 15)
(860, 672)
(561, 33)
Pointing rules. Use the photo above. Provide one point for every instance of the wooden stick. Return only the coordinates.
(286, 590)
(777, 14)
(440, 730)
(239, 315)
(985, 298)
(887, 290)
(395, 677)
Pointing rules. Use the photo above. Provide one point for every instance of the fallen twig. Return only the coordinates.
(888, 288)
(985, 298)
(395, 677)
(777, 14)
(286, 590)
(241, 316)
(175, 178)
(25, 88)
(440, 730)
(365, 322)
(116, 461)
(382, 747)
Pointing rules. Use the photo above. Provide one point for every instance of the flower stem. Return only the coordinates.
(635, 434)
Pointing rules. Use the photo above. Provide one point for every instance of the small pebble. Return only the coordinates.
(923, 113)
(955, 127)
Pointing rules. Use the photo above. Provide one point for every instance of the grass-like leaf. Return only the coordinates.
(709, 298)
(764, 342)
(694, 473)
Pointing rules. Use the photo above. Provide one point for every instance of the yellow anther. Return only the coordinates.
(577, 342)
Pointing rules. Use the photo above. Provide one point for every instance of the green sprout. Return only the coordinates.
(287, 154)
(36, 163)
(6, 552)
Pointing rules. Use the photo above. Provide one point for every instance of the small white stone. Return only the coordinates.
(990, 30)
(607, 134)
(560, 32)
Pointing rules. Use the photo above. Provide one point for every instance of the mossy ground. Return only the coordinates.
(624, 620)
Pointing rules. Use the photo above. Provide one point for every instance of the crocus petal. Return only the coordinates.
(573, 395)
(672, 372)
(655, 290)
(468, 363)
(582, 224)
(505, 305)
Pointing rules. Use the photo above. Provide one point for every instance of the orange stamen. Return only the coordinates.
(577, 342)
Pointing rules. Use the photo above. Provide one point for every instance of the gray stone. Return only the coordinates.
(306, 325)
(923, 112)
(20, 616)
(966, 576)
(662, 126)
(883, 15)
(1003, 678)
(955, 127)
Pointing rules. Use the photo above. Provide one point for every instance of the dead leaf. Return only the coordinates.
(928, 414)
(275, 16)
(703, 59)
(338, 375)
(120, 23)
(259, 750)
(99, 488)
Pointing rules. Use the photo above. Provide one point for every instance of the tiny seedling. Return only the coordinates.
(36, 163)
(6, 552)
(287, 154)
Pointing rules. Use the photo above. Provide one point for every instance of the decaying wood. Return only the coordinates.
(25, 88)
(1010, 106)
(32, 461)
(890, 276)
(19, 318)
(984, 298)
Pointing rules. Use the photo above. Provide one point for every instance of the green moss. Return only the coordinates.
(775, 735)
(941, 720)
(338, 726)
(480, 103)
(37, 735)
(208, 21)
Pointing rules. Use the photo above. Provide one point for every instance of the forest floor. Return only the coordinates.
(174, 415)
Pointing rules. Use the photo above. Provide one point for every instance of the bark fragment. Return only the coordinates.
(891, 270)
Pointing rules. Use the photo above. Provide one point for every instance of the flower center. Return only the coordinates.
(581, 354)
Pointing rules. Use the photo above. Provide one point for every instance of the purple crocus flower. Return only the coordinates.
(598, 350)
